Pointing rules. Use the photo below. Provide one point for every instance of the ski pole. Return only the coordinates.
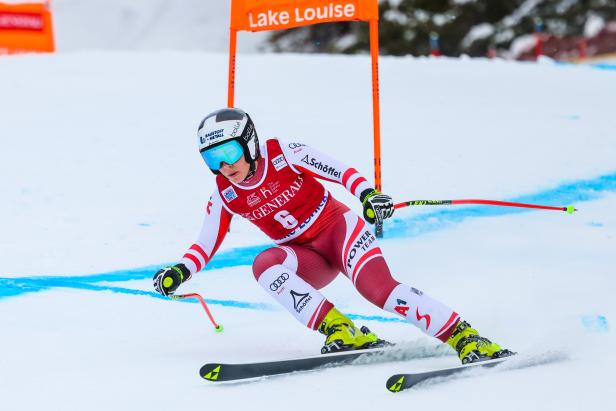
(218, 327)
(569, 209)
(378, 223)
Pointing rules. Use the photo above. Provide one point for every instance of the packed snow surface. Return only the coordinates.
(101, 184)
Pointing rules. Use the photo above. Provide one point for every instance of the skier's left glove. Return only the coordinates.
(375, 202)
(168, 279)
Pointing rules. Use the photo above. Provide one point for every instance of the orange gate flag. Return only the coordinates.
(26, 27)
(258, 15)
(261, 15)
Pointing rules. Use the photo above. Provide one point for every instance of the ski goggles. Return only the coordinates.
(229, 152)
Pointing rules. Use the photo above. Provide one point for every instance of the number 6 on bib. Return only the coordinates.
(286, 219)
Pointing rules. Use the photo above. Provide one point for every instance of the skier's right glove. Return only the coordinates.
(376, 202)
(168, 279)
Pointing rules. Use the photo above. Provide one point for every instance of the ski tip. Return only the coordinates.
(210, 372)
(395, 383)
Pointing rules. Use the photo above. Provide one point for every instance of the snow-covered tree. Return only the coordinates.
(463, 26)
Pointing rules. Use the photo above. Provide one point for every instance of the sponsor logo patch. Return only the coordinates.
(236, 128)
(229, 194)
(273, 204)
(21, 21)
(253, 199)
(278, 282)
(212, 135)
(326, 169)
(402, 308)
(422, 317)
(296, 147)
(361, 244)
(279, 162)
(300, 300)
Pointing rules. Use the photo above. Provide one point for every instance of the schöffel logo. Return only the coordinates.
(229, 194)
(300, 300)
(278, 282)
(311, 161)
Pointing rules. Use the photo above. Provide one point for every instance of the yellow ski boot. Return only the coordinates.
(471, 347)
(343, 335)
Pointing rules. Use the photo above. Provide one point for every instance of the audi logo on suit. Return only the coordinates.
(279, 281)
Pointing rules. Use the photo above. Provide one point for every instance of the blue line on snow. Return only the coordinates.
(566, 194)
(604, 66)
(17, 286)
(574, 192)
(598, 66)
(377, 318)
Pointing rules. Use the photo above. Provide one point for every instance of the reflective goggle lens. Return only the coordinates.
(228, 152)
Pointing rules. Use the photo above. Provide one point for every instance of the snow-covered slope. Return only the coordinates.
(100, 173)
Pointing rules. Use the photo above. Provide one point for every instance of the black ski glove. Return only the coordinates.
(168, 279)
(375, 202)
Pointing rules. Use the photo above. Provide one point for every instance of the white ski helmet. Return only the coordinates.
(223, 126)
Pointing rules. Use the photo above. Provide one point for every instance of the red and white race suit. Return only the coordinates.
(317, 238)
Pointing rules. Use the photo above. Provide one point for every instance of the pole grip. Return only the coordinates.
(378, 223)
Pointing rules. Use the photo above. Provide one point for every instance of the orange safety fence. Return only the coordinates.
(26, 28)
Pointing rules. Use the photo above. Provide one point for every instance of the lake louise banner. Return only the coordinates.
(257, 15)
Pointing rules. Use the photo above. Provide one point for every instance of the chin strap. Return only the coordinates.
(251, 171)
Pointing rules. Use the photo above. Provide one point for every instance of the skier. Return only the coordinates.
(275, 187)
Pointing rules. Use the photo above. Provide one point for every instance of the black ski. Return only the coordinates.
(399, 382)
(220, 372)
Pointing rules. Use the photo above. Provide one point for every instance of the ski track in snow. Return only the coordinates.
(519, 362)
